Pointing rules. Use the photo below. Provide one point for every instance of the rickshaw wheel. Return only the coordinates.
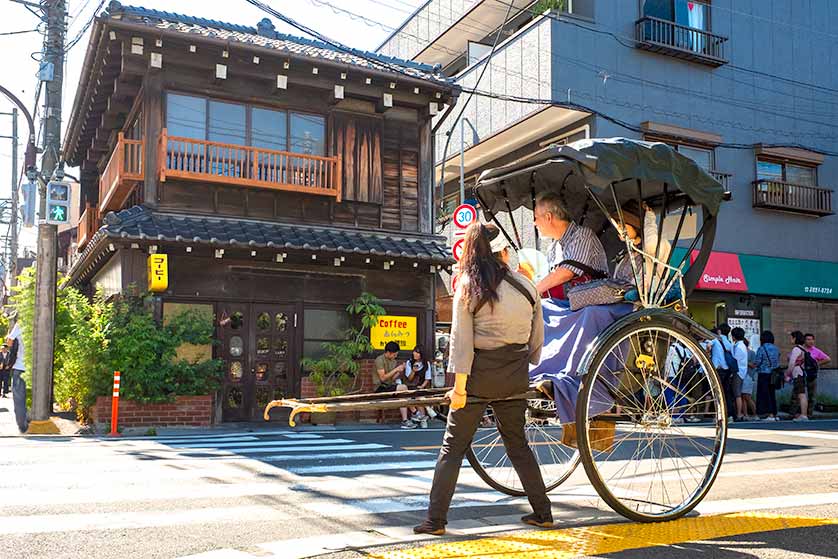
(488, 458)
(641, 454)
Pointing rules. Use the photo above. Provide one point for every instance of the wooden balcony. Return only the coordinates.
(201, 160)
(88, 225)
(663, 36)
(724, 178)
(777, 195)
(122, 174)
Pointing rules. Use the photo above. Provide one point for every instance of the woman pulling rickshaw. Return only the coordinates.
(614, 207)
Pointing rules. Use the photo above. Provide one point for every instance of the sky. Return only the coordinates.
(19, 69)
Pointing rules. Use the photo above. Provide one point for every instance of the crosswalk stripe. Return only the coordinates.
(366, 467)
(233, 452)
(264, 443)
(346, 455)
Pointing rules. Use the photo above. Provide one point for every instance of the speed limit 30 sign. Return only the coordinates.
(464, 215)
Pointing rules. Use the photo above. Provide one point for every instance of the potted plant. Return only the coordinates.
(334, 373)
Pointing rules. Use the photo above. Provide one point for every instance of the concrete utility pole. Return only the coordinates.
(15, 203)
(11, 265)
(44, 328)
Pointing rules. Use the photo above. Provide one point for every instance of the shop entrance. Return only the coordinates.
(259, 349)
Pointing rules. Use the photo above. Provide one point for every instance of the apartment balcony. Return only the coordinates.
(783, 196)
(122, 174)
(88, 225)
(237, 165)
(667, 37)
(724, 178)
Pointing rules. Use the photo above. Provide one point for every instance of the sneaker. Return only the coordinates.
(430, 527)
(801, 418)
(423, 423)
(416, 417)
(431, 413)
(534, 519)
(693, 419)
(408, 424)
(768, 418)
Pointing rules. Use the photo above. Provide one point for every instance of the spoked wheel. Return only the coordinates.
(651, 419)
(488, 458)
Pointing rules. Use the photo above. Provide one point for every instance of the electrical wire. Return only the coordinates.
(75, 40)
(5, 33)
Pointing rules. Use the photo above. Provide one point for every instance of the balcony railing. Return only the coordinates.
(88, 225)
(777, 195)
(660, 35)
(191, 159)
(723, 178)
(122, 174)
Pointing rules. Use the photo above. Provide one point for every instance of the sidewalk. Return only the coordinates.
(8, 427)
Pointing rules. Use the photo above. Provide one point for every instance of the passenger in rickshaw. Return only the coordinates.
(576, 256)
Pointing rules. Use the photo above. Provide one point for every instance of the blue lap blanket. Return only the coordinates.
(567, 335)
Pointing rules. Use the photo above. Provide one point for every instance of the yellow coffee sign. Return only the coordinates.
(399, 329)
(158, 273)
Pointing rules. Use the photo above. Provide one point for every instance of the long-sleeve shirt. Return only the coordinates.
(717, 354)
(511, 320)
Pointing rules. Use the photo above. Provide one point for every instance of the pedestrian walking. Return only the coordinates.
(14, 340)
(5, 371)
(796, 375)
(748, 384)
(495, 333)
(740, 354)
(722, 358)
(767, 360)
(811, 367)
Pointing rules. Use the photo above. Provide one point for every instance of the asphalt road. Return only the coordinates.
(288, 493)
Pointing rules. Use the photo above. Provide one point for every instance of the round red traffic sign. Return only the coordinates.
(464, 215)
(454, 277)
(457, 249)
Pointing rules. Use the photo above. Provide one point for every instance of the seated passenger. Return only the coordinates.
(572, 245)
(568, 334)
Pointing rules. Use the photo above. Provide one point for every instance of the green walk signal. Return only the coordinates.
(59, 195)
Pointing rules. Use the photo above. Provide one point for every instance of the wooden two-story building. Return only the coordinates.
(282, 176)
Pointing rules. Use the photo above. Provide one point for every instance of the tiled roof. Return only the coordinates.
(264, 35)
(142, 224)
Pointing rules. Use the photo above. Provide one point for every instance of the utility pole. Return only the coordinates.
(15, 203)
(11, 265)
(43, 337)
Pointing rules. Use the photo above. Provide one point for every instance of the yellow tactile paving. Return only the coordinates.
(608, 538)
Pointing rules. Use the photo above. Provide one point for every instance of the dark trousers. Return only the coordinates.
(726, 378)
(19, 400)
(5, 384)
(495, 374)
(766, 395)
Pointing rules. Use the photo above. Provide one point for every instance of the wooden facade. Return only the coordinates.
(196, 134)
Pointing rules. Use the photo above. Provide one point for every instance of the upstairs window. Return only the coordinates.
(694, 14)
(791, 173)
(239, 124)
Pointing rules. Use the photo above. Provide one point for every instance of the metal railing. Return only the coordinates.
(723, 178)
(122, 173)
(192, 159)
(661, 35)
(790, 197)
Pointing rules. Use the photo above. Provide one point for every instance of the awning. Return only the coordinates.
(766, 275)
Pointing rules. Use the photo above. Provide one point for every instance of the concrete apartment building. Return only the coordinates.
(745, 88)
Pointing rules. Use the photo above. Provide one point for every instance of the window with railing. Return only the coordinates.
(790, 186)
(683, 26)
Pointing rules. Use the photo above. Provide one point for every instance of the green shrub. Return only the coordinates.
(96, 337)
(334, 373)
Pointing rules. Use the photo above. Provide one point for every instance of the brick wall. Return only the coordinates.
(192, 411)
(821, 319)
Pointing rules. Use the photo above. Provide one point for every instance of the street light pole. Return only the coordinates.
(45, 272)
(15, 203)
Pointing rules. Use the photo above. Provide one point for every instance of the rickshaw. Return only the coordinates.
(650, 419)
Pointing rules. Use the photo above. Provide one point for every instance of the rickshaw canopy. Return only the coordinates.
(599, 163)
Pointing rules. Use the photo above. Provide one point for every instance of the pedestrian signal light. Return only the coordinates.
(58, 203)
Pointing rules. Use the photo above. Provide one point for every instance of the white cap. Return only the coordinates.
(499, 243)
